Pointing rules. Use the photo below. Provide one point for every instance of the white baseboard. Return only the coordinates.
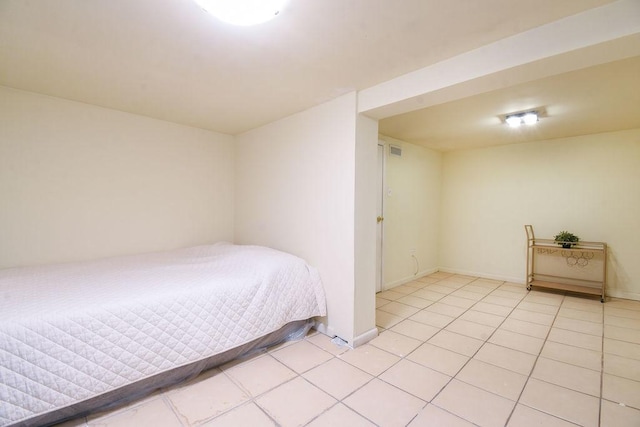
(404, 280)
(623, 295)
(483, 275)
(365, 338)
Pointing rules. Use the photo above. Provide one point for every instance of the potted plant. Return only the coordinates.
(566, 239)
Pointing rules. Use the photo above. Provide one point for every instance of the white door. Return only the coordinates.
(380, 219)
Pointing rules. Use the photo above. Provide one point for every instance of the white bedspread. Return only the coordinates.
(73, 331)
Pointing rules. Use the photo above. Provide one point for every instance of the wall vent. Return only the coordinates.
(394, 150)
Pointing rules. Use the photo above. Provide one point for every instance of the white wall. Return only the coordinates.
(295, 183)
(589, 185)
(80, 182)
(365, 229)
(411, 212)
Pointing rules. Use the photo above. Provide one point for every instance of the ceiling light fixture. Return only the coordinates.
(527, 118)
(243, 12)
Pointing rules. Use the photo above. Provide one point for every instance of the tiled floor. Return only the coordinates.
(453, 351)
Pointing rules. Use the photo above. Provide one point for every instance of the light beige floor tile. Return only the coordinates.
(337, 378)
(594, 306)
(498, 310)
(513, 360)
(586, 316)
(427, 279)
(417, 330)
(622, 334)
(456, 342)
(155, 412)
(295, 403)
(623, 303)
(482, 318)
(414, 301)
(548, 298)
(523, 416)
(340, 416)
(440, 275)
(437, 287)
(573, 377)
(399, 309)
(516, 341)
(387, 320)
(384, 404)
(489, 282)
(470, 329)
(525, 328)
(575, 339)
(381, 301)
(433, 319)
(622, 322)
(463, 293)
(482, 290)
(457, 301)
(451, 284)
(395, 343)
(619, 416)
(158, 394)
(475, 405)
(209, 395)
(561, 402)
(403, 289)
(416, 284)
(622, 366)
(622, 348)
(577, 356)
(582, 326)
(432, 416)
(507, 294)
(415, 379)
(621, 390)
(505, 302)
(438, 358)
(445, 309)
(538, 308)
(428, 294)
(492, 378)
(461, 278)
(245, 415)
(622, 312)
(370, 359)
(532, 316)
(326, 343)
(302, 356)
(390, 295)
(259, 375)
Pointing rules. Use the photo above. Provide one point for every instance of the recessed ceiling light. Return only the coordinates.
(517, 119)
(243, 12)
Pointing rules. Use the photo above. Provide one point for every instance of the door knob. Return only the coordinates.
(380, 219)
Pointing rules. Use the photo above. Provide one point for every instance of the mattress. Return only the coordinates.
(71, 332)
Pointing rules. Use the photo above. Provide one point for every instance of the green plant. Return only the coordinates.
(566, 239)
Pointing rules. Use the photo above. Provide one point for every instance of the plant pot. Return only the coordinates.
(567, 245)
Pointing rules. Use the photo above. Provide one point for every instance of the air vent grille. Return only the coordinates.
(394, 150)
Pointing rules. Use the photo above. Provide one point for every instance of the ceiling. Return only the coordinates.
(169, 60)
(592, 100)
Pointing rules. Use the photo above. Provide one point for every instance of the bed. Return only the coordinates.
(77, 338)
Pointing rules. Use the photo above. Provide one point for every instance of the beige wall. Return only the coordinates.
(295, 183)
(411, 212)
(589, 185)
(79, 182)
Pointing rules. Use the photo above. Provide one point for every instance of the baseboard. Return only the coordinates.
(365, 338)
(482, 275)
(623, 295)
(404, 280)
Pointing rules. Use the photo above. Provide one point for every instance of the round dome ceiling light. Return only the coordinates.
(243, 12)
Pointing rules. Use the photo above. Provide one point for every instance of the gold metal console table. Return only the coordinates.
(577, 256)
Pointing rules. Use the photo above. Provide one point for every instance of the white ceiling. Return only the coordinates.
(592, 100)
(167, 59)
